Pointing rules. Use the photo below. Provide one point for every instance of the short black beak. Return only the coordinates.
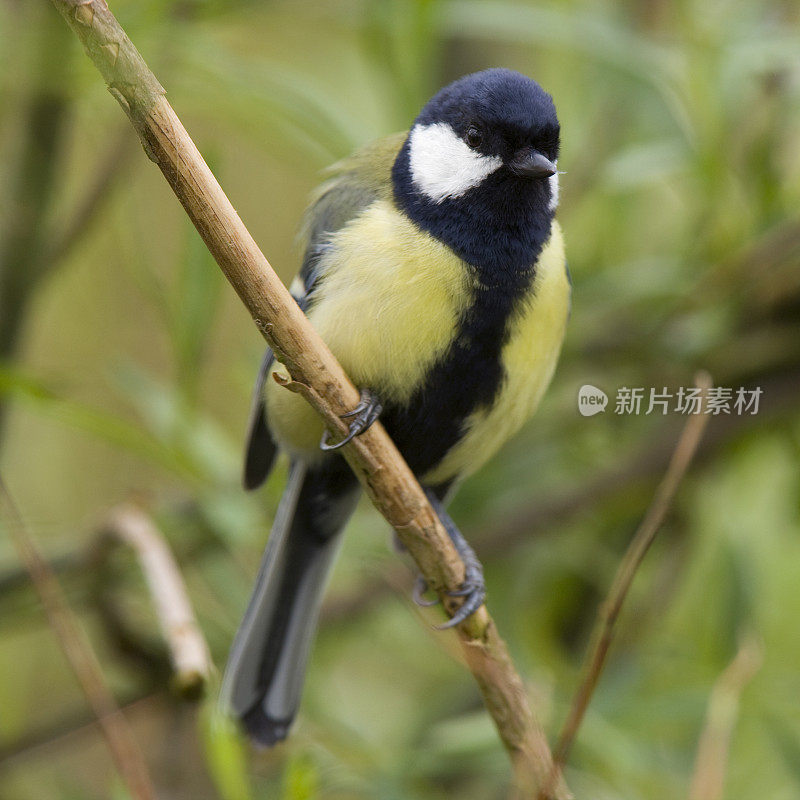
(532, 164)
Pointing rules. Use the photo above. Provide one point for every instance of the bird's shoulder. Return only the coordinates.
(370, 165)
(351, 185)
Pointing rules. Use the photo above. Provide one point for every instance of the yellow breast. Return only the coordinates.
(391, 302)
(529, 358)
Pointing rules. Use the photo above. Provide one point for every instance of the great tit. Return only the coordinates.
(434, 269)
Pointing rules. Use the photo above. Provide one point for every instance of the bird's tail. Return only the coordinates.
(264, 676)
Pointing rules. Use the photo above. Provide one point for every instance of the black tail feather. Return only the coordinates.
(265, 671)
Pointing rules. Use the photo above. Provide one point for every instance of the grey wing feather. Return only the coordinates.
(260, 448)
(355, 184)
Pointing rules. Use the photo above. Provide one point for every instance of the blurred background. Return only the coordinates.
(126, 364)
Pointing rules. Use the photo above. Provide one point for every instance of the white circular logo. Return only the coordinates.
(591, 400)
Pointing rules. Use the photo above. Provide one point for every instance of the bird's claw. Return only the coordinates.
(473, 589)
(420, 587)
(364, 414)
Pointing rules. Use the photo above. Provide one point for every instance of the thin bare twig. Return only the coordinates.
(708, 778)
(607, 615)
(59, 730)
(315, 374)
(188, 649)
(126, 754)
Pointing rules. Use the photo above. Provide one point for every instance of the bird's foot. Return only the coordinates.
(473, 588)
(363, 415)
(420, 587)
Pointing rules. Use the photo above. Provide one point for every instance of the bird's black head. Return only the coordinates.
(478, 169)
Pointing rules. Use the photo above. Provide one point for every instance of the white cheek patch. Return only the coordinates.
(443, 165)
(553, 179)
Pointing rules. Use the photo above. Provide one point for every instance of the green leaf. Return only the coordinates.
(598, 36)
(225, 754)
(174, 421)
(645, 163)
(38, 396)
(787, 745)
(300, 778)
(194, 306)
(283, 100)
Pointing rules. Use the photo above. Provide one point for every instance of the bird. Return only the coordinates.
(434, 269)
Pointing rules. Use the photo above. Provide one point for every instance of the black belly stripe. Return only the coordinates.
(467, 378)
(499, 230)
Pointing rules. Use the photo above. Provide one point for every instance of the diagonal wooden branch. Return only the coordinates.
(315, 374)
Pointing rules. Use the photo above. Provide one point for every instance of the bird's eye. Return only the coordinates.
(473, 136)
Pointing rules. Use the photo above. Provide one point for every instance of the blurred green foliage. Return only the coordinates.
(127, 365)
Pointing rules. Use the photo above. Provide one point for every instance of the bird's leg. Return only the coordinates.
(473, 589)
(364, 414)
